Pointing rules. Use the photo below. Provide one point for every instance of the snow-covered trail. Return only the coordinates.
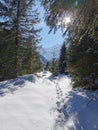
(44, 103)
(28, 108)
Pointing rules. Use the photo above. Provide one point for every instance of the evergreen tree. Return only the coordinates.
(7, 55)
(18, 37)
(53, 64)
(82, 36)
(83, 47)
(53, 67)
(62, 59)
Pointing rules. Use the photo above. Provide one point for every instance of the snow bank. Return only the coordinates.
(43, 103)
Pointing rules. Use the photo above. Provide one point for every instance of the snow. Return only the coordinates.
(91, 50)
(42, 102)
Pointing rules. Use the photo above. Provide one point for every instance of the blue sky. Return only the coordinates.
(48, 40)
(51, 39)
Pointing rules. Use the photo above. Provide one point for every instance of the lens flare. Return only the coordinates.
(66, 20)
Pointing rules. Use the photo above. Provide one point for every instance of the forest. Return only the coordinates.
(52, 88)
(20, 38)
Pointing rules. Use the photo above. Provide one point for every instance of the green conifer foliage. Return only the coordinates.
(54, 67)
(18, 38)
(62, 59)
(82, 37)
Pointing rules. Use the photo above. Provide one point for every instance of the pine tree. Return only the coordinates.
(7, 46)
(7, 55)
(18, 37)
(54, 67)
(62, 59)
(82, 36)
(82, 49)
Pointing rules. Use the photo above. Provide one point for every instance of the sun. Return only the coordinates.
(66, 20)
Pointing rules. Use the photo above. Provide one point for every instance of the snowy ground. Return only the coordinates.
(44, 103)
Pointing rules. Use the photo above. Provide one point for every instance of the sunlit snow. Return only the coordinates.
(42, 102)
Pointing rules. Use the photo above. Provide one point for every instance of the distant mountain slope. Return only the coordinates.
(51, 52)
(43, 60)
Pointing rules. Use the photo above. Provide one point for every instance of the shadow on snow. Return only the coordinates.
(12, 85)
(79, 112)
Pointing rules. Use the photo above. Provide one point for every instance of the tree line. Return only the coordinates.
(58, 65)
(19, 38)
(82, 37)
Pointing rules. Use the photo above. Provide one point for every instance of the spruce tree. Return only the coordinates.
(82, 36)
(54, 67)
(62, 59)
(18, 37)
